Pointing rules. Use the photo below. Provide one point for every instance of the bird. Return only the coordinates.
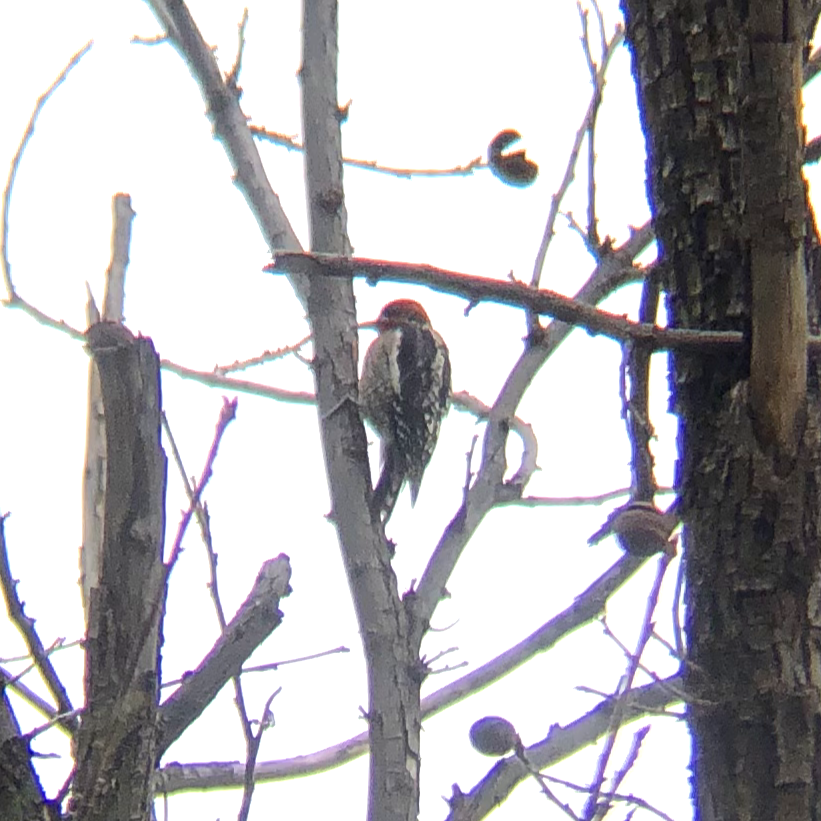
(640, 528)
(404, 393)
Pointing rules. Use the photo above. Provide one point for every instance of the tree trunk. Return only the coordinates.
(117, 741)
(719, 94)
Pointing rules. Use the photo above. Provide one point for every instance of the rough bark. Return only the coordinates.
(116, 745)
(94, 471)
(21, 794)
(719, 87)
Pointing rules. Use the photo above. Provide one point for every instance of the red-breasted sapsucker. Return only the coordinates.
(404, 393)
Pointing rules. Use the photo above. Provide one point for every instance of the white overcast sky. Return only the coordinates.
(431, 83)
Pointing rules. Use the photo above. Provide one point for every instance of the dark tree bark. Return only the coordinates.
(21, 794)
(117, 741)
(719, 94)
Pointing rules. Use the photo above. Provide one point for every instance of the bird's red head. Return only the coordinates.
(400, 312)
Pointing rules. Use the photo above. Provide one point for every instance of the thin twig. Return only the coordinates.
(576, 501)
(57, 645)
(590, 811)
(227, 415)
(573, 156)
(265, 722)
(542, 782)
(629, 763)
(215, 380)
(629, 653)
(292, 144)
(58, 719)
(611, 796)
(592, 233)
(232, 79)
(273, 665)
(530, 445)
(35, 646)
(156, 40)
(590, 243)
(15, 165)
(62, 793)
(261, 359)
(45, 709)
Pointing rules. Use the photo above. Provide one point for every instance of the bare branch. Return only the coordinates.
(573, 157)
(195, 503)
(227, 415)
(530, 446)
(214, 380)
(267, 356)
(481, 289)
(587, 607)
(613, 796)
(15, 165)
(156, 40)
(257, 617)
(271, 665)
(560, 743)
(292, 144)
(577, 501)
(230, 126)
(629, 763)
(265, 722)
(12, 682)
(232, 79)
(94, 472)
(489, 487)
(35, 646)
(639, 428)
(617, 718)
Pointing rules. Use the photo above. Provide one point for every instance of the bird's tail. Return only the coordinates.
(387, 488)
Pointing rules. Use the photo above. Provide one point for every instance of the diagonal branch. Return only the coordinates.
(230, 126)
(587, 607)
(573, 157)
(257, 617)
(35, 646)
(489, 487)
(560, 743)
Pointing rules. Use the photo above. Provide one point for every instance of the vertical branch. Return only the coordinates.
(116, 745)
(639, 429)
(94, 471)
(394, 717)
